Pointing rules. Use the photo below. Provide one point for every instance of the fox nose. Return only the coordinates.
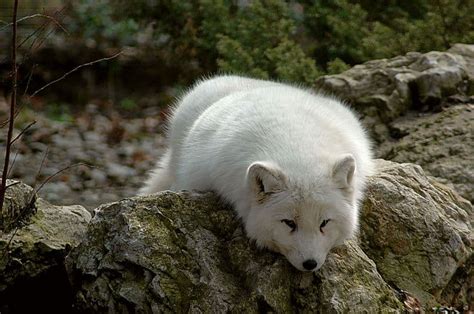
(310, 264)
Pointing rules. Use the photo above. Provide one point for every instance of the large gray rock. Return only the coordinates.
(417, 230)
(442, 143)
(382, 90)
(36, 247)
(467, 51)
(186, 253)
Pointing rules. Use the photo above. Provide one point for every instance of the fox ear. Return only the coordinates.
(343, 171)
(265, 178)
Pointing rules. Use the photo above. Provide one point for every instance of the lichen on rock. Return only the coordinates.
(36, 248)
(383, 90)
(440, 143)
(417, 230)
(187, 252)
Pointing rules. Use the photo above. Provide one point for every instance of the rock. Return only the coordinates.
(467, 51)
(440, 143)
(417, 230)
(349, 282)
(32, 256)
(186, 252)
(382, 90)
(459, 293)
(18, 203)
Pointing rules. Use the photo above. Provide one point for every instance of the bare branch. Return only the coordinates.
(29, 79)
(8, 143)
(11, 167)
(17, 112)
(23, 131)
(9, 242)
(60, 171)
(74, 70)
(37, 15)
(39, 30)
(42, 40)
(43, 160)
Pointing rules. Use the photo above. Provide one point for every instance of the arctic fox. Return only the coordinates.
(292, 163)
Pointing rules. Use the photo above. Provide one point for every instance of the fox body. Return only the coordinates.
(292, 163)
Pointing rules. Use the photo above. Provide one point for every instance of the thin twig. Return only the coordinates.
(74, 70)
(6, 162)
(29, 79)
(42, 40)
(23, 131)
(17, 112)
(11, 166)
(60, 171)
(38, 32)
(38, 15)
(43, 160)
(9, 242)
(39, 29)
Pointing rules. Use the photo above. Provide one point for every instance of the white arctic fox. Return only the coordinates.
(292, 163)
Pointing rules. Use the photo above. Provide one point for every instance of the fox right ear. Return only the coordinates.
(265, 178)
(343, 172)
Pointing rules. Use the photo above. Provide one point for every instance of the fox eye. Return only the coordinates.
(290, 223)
(323, 224)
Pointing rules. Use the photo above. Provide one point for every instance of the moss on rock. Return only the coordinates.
(187, 252)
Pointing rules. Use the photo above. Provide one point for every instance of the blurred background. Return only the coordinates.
(110, 114)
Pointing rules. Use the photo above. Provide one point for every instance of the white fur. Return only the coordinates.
(276, 152)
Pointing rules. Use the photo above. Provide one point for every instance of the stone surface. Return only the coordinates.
(467, 52)
(417, 230)
(18, 202)
(382, 90)
(186, 252)
(37, 248)
(442, 143)
(459, 292)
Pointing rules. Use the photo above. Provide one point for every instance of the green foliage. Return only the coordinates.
(339, 27)
(358, 31)
(96, 20)
(444, 23)
(286, 40)
(337, 66)
(258, 42)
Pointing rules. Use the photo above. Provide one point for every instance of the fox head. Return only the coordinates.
(302, 220)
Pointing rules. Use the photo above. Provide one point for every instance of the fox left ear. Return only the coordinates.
(343, 171)
(265, 178)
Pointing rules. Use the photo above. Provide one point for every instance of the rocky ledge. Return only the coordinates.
(32, 252)
(186, 252)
